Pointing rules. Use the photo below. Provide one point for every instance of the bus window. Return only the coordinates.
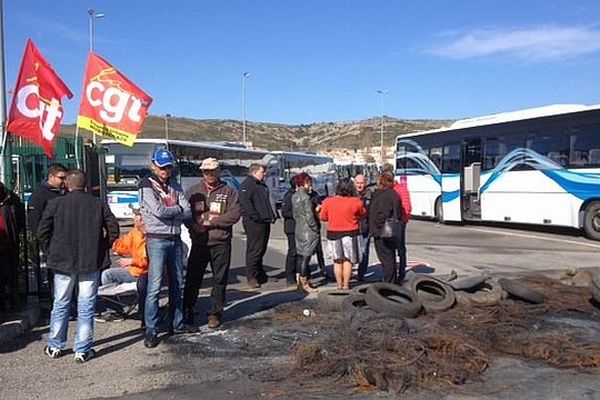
(490, 154)
(451, 158)
(435, 155)
(553, 145)
(585, 147)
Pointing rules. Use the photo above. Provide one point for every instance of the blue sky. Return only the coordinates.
(322, 61)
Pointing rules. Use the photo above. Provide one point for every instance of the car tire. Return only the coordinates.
(355, 304)
(331, 300)
(433, 294)
(360, 290)
(521, 291)
(487, 293)
(468, 282)
(393, 300)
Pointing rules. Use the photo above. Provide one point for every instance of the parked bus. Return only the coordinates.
(283, 165)
(533, 166)
(127, 165)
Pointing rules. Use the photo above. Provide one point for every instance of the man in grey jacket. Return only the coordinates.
(164, 207)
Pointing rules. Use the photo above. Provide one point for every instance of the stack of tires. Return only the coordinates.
(427, 294)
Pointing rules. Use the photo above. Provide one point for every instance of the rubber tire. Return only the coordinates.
(439, 211)
(588, 220)
(360, 290)
(376, 299)
(434, 294)
(331, 300)
(488, 293)
(355, 304)
(469, 282)
(523, 292)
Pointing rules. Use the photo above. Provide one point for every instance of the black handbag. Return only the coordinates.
(391, 226)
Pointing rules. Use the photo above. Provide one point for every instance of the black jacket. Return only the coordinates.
(384, 204)
(255, 201)
(13, 212)
(37, 203)
(76, 231)
(289, 224)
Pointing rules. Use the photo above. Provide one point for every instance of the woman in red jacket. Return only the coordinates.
(343, 212)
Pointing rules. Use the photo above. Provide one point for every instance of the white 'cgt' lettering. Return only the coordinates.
(48, 114)
(113, 102)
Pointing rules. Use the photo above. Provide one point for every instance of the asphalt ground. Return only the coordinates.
(181, 367)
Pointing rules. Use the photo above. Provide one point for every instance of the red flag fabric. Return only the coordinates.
(36, 110)
(111, 105)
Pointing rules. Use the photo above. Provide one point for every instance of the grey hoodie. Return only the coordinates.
(163, 207)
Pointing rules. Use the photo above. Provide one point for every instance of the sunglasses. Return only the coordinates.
(166, 167)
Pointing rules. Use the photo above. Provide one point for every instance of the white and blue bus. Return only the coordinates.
(533, 166)
(125, 166)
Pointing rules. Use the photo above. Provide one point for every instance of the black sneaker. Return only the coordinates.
(81, 358)
(53, 352)
(151, 340)
(262, 278)
(109, 317)
(188, 317)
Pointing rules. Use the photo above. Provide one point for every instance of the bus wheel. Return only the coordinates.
(439, 212)
(591, 220)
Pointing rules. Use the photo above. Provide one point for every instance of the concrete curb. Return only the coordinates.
(21, 322)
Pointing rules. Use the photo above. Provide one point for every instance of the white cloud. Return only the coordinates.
(533, 45)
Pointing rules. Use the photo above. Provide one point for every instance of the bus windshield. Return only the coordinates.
(127, 165)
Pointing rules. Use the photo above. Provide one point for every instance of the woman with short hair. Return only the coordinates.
(385, 205)
(307, 229)
(343, 212)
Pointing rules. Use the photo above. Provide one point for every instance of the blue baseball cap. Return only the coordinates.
(163, 158)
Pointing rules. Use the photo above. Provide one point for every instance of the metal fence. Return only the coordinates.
(25, 168)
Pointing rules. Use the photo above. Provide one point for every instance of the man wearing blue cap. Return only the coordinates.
(163, 207)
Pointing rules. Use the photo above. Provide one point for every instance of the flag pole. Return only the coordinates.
(3, 164)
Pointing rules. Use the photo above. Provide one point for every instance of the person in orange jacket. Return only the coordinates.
(401, 189)
(132, 266)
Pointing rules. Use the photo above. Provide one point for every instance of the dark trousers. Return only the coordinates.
(386, 252)
(142, 289)
(364, 261)
(319, 253)
(292, 259)
(401, 246)
(257, 239)
(219, 256)
(9, 264)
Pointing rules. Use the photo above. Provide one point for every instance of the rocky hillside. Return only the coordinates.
(320, 136)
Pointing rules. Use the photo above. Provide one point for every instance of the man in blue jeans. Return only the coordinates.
(164, 207)
(75, 232)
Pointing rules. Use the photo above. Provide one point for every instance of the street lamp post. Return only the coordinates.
(382, 93)
(93, 15)
(245, 76)
(166, 117)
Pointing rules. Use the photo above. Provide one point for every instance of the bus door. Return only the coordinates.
(470, 177)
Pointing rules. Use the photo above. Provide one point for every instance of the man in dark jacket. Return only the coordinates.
(292, 259)
(12, 222)
(257, 217)
(76, 231)
(53, 187)
(365, 193)
(215, 209)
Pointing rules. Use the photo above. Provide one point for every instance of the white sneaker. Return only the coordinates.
(84, 357)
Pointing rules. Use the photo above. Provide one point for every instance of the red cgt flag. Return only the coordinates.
(111, 105)
(36, 111)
